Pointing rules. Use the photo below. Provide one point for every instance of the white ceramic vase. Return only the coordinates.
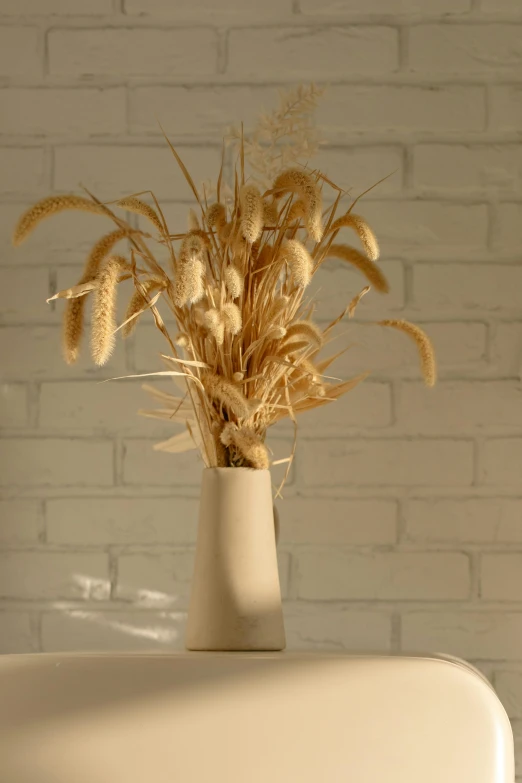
(235, 602)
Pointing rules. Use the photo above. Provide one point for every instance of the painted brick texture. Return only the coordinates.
(401, 526)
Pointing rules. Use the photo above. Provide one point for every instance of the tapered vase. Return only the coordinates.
(235, 601)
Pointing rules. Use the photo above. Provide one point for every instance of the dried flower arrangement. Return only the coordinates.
(246, 349)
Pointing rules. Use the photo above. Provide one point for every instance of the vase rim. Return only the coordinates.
(235, 470)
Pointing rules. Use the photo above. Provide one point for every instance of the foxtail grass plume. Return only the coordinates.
(72, 329)
(232, 318)
(307, 330)
(139, 207)
(252, 212)
(215, 324)
(423, 343)
(234, 281)
(51, 205)
(368, 268)
(302, 183)
(299, 262)
(103, 311)
(363, 230)
(137, 303)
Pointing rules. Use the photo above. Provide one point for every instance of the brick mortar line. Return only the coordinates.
(403, 606)
(384, 78)
(227, 20)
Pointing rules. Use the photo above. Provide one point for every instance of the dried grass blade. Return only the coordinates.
(325, 363)
(177, 444)
(187, 362)
(355, 301)
(183, 168)
(164, 396)
(137, 315)
(341, 388)
(150, 374)
(75, 292)
(164, 414)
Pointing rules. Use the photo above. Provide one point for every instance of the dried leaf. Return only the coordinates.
(75, 292)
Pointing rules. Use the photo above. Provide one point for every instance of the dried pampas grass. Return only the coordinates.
(245, 349)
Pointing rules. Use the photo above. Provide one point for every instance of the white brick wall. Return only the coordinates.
(402, 520)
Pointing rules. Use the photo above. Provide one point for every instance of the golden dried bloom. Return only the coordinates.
(363, 230)
(307, 368)
(103, 311)
(193, 246)
(189, 287)
(73, 316)
(232, 318)
(181, 340)
(137, 303)
(228, 395)
(234, 281)
(72, 329)
(217, 215)
(100, 250)
(297, 181)
(224, 232)
(251, 212)
(196, 287)
(240, 245)
(139, 207)
(299, 262)
(275, 332)
(287, 349)
(238, 376)
(306, 378)
(370, 270)
(221, 455)
(278, 307)
(305, 330)
(252, 451)
(424, 345)
(51, 205)
(297, 211)
(270, 213)
(227, 434)
(215, 325)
